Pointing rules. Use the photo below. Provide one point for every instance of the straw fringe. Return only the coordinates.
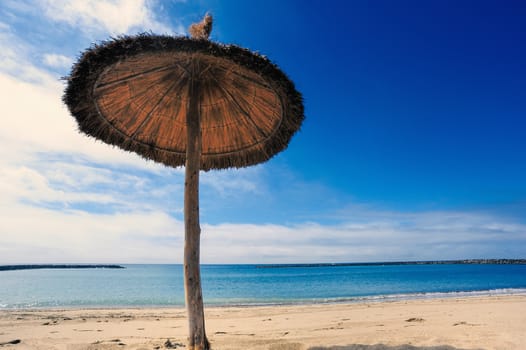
(79, 98)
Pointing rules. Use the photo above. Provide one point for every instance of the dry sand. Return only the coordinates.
(497, 322)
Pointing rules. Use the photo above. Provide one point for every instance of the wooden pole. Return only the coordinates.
(192, 278)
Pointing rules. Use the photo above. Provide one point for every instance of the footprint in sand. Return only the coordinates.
(464, 323)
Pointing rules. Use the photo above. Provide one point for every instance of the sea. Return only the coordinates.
(246, 285)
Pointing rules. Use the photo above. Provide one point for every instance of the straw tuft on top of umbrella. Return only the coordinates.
(202, 29)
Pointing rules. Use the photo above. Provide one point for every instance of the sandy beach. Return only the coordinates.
(497, 322)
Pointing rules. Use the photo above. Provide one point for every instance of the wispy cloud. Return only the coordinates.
(51, 236)
(14, 62)
(57, 61)
(156, 237)
(34, 120)
(113, 17)
(427, 235)
(232, 182)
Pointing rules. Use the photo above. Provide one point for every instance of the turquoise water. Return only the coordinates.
(162, 285)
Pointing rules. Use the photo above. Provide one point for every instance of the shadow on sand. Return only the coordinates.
(387, 347)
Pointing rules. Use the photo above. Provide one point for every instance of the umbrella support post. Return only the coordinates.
(192, 278)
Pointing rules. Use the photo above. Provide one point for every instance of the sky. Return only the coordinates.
(413, 146)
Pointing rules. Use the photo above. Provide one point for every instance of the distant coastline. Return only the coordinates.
(274, 266)
(58, 266)
(391, 263)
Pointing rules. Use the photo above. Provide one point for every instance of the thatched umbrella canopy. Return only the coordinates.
(185, 101)
(133, 92)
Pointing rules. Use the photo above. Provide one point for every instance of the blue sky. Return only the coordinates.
(413, 146)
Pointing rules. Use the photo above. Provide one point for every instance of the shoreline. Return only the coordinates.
(482, 322)
(327, 301)
(343, 302)
(182, 308)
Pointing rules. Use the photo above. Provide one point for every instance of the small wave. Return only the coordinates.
(279, 302)
(370, 298)
(429, 295)
(374, 298)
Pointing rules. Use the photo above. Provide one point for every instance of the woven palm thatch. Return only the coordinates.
(132, 92)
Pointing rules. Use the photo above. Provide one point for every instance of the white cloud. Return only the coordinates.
(57, 61)
(155, 237)
(96, 16)
(23, 183)
(14, 62)
(34, 120)
(379, 240)
(84, 237)
(232, 182)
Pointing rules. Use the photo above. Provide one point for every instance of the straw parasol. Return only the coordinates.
(185, 101)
